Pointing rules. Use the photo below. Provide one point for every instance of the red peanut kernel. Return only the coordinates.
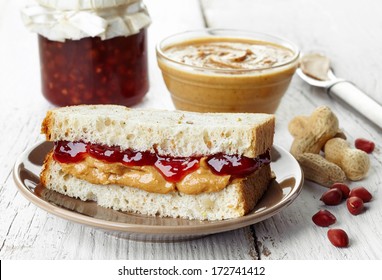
(332, 197)
(365, 145)
(354, 205)
(362, 193)
(338, 237)
(323, 218)
(343, 188)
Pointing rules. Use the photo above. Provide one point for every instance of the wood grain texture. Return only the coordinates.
(351, 37)
(348, 32)
(27, 232)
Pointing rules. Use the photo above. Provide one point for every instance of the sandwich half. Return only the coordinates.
(206, 166)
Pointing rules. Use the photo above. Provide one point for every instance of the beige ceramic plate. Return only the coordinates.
(139, 227)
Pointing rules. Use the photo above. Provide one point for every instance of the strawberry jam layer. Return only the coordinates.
(173, 169)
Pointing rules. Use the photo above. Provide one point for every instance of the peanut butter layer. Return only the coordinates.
(146, 178)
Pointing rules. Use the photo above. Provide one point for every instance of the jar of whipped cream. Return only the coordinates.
(91, 51)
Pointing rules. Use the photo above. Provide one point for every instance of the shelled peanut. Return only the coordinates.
(320, 132)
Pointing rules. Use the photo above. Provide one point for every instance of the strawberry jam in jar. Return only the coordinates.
(91, 52)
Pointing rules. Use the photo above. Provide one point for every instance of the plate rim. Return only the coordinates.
(210, 227)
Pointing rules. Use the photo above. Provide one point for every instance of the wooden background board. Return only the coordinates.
(347, 31)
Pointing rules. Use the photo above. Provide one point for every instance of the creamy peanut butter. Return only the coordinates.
(145, 177)
(227, 74)
(226, 54)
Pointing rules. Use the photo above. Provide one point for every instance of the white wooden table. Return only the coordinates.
(349, 32)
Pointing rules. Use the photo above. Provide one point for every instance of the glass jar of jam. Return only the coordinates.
(90, 52)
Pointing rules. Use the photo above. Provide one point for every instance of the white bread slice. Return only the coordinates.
(172, 133)
(236, 200)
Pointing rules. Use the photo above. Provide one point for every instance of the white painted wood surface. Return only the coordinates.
(347, 31)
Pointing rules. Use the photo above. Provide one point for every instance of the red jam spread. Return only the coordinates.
(236, 166)
(65, 151)
(175, 169)
(172, 168)
(94, 71)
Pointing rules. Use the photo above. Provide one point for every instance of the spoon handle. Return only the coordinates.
(357, 99)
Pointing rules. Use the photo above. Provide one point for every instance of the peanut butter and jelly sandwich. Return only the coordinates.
(206, 166)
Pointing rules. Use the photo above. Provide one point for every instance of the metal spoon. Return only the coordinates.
(312, 70)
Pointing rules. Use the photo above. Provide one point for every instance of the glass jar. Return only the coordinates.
(100, 58)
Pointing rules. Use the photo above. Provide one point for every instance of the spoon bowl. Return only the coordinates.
(314, 66)
(319, 83)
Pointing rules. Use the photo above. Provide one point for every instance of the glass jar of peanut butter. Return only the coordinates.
(91, 52)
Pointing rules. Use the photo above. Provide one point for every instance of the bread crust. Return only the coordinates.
(47, 125)
(45, 170)
(252, 188)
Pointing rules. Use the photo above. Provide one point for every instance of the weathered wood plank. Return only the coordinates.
(348, 33)
(27, 232)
